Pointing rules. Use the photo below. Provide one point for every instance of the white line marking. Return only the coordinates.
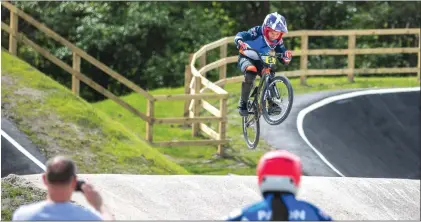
(332, 99)
(23, 150)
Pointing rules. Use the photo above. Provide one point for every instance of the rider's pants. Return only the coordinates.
(250, 69)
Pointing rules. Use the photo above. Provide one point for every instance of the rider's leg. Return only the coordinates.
(247, 84)
(250, 72)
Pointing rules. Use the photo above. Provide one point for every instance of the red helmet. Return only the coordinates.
(274, 22)
(279, 171)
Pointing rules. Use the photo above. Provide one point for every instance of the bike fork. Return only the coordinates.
(273, 90)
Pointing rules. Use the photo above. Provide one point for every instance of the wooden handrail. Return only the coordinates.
(189, 96)
(76, 49)
(5, 27)
(186, 120)
(79, 75)
(400, 31)
(300, 33)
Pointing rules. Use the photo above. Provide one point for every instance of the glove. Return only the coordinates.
(242, 45)
(287, 57)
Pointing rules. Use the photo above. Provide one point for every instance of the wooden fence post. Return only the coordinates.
(187, 81)
(196, 105)
(149, 124)
(202, 63)
(351, 56)
(304, 58)
(223, 68)
(222, 124)
(13, 42)
(75, 80)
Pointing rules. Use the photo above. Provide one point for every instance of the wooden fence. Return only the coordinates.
(77, 75)
(304, 52)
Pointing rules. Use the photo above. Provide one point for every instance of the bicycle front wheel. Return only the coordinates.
(272, 100)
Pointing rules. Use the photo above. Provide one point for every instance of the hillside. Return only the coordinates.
(60, 123)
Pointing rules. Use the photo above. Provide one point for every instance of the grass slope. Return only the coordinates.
(60, 123)
(202, 160)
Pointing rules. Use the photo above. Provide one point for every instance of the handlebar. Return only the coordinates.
(278, 54)
(259, 55)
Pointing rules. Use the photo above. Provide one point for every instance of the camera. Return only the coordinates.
(79, 185)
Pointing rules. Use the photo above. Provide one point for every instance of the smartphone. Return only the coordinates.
(79, 185)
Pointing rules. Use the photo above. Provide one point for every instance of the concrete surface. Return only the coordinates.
(369, 136)
(137, 197)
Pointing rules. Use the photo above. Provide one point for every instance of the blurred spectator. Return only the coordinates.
(61, 181)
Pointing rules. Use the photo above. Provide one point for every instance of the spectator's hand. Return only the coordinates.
(287, 57)
(95, 199)
(92, 196)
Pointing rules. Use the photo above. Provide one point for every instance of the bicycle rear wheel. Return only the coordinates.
(251, 125)
(273, 92)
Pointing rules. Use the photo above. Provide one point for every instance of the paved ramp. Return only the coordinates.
(375, 135)
(136, 197)
(286, 135)
(13, 159)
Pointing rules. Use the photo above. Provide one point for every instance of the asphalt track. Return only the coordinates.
(13, 160)
(376, 136)
(286, 135)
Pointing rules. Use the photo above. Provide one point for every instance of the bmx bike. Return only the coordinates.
(268, 93)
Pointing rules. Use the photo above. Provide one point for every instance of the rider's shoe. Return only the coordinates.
(242, 108)
(274, 109)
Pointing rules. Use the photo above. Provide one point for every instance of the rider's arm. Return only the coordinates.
(281, 49)
(248, 35)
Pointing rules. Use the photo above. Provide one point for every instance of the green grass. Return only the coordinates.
(14, 193)
(202, 160)
(60, 123)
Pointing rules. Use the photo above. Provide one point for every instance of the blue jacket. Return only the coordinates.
(261, 211)
(254, 37)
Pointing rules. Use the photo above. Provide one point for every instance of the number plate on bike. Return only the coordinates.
(270, 60)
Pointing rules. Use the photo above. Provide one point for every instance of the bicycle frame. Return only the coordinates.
(265, 77)
(258, 89)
